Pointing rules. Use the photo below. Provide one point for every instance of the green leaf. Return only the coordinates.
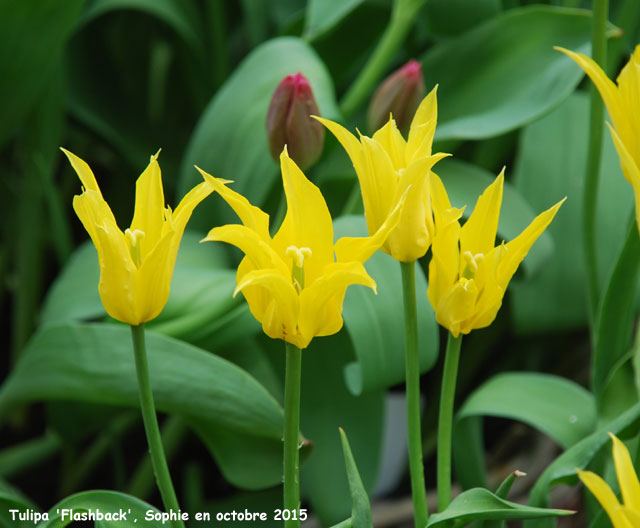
(558, 407)
(104, 502)
(551, 164)
(361, 507)
(33, 37)
(94, 363)
(322, 15)
(563, 468)
(480, 504)
(616, 313)
(172, 12)
(327, 404)
(230, 140)
(375, 323)
(505, 72)
(466, 182)
(452, 17)
(12, 499)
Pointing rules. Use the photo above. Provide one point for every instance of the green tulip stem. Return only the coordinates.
(445, 420)
(156, 450)
(412, 361)
(403, 16)
(599, 54)
(292, 435)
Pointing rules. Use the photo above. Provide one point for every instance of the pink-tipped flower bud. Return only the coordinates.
(398, 95)
(289, 122)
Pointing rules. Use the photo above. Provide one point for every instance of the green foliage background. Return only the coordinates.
(114, 80)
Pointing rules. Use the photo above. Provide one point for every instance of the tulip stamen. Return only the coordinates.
(298, 255)
(133, 239)
(470, 264)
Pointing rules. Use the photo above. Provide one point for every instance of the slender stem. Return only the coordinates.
(445, 420)
(402, 20)
(150, 420)
(292, 434)
(599, 54)
(412, 362)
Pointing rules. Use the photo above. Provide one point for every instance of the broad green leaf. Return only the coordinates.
(551, 164)
(375, 323)
(322, 15)
(505, 72)
(361, 507)
(558, 407)
(616, 313)
(12, 499)
(230, 140)
(563, 468)
(480, 504)
(94, 363)
(105, 502)
(173, 12)
(452, 17)
(466, 182)
(33, 37)
(326, 404)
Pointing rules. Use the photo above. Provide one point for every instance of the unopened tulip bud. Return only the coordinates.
(289, 122)
(398, 95)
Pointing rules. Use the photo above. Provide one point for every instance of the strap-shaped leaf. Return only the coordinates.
(480, 504)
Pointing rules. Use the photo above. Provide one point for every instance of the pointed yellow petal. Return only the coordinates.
(154, 279)
(251, 244)
(117, 270)
(517, 249)
(348, 141)
(391, 140)
(632, 517)
(149, 208)
(602, 492)
(251, 216)
(280, 316)
(478, 234)
(307, 223)
(444, 265)
(456, 307)
(423, 127)
(412, 237)
(606, 87)
(627, 478)
(83, 171)
(378, 183)
(629, 169)
(359, 249)
(321, 303)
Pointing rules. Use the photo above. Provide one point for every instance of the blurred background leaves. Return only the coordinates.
(114, 80)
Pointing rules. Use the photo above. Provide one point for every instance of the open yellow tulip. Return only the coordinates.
(135, 266)
(623, 103)
(293, 284)
(387, 166)
(626, 515)
(468, 276)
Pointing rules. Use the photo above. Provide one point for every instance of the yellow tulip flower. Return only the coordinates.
(387, 166)
(623, 103)
(135, 266)
(293, 284)
(626, 515)
(468, 276)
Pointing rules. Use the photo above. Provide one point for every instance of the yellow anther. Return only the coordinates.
(471, 264)
(298, 254)
(133, 237)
